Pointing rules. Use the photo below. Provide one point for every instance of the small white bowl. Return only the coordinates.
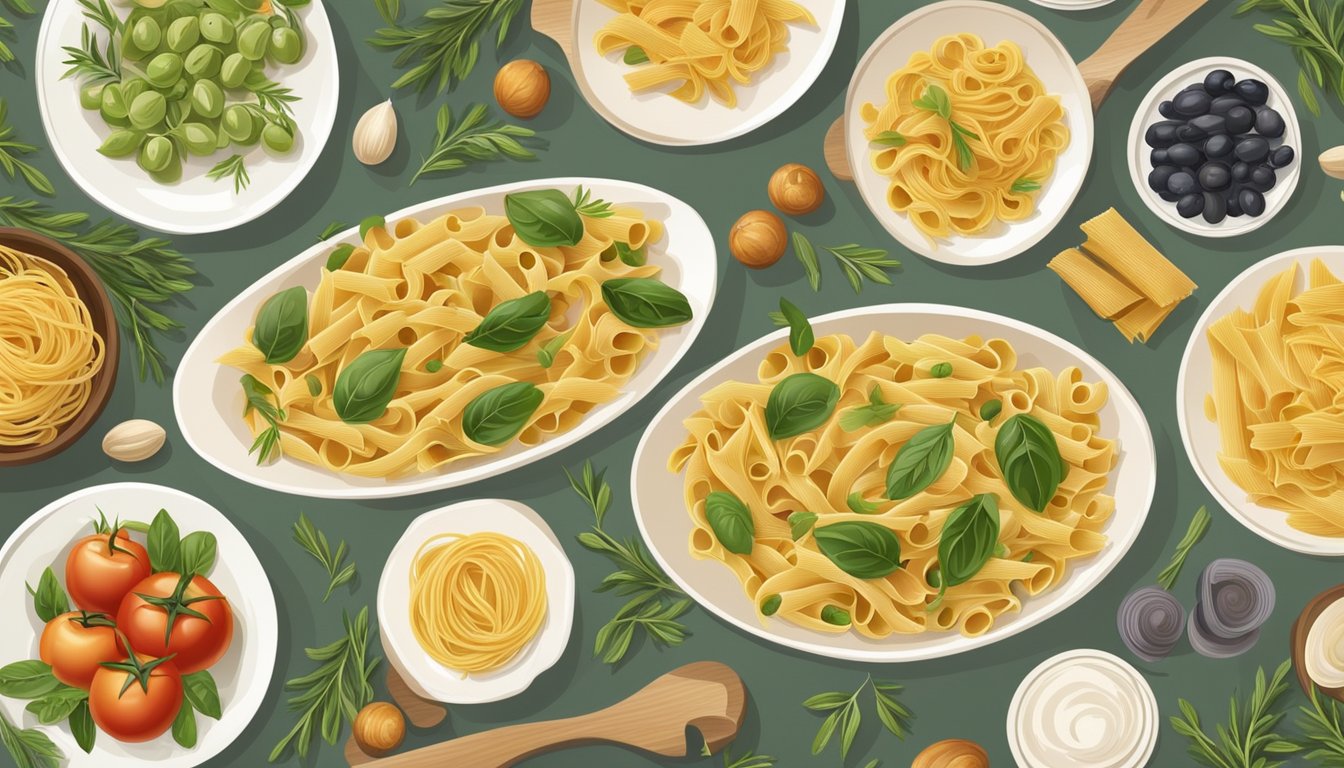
(430, 679)
(1072, 5)
(1147, 114)
(1201, 436)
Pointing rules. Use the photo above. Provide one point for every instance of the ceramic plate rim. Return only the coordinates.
(1072, 5)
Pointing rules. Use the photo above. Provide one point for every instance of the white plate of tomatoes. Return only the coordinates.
(138, 566)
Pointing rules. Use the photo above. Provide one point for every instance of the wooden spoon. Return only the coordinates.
(422, 713)
(1151, 21)
(1297, 639)
(707, 695)
(555, 19)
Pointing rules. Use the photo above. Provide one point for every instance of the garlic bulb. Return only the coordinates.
(376, 134)
(134, 440)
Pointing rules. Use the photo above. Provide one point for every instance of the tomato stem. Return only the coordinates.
(177, 605)
(135, 669)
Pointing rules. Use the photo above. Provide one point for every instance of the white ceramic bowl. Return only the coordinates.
(1195, 381)
(207, 397)
(243, 675)
(656, 117)
(666, 525)
(195, 204)
(1047, 57)
(1072, 5)
(1147, 114)
(432, 680)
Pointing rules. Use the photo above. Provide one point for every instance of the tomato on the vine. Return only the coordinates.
(136, 699)
(178, 614)
(102, 568)
(76, 644)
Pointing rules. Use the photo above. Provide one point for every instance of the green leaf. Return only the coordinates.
(941, 370)
(1024, 185)
(824, 733)
(281, 329)
(511, 324)
(390, 10)
(314, 542)
(339, 256)
(731, 522)
(497, 415)
(635, 55)
(825, 702)
(861, 549)
(1308, 95)
(859, 505)
(333, 229)
(164, 544)
(643, 302)
(443, 46)
(473, 139)
(369, 224)
(800, 403)
(184, 726)
(935, 99)
(546, 355)
(366, 386)
(82, 727)
(58, 705)
(235, 168)
(878, 411)
(858, 263)
(632, 257)
(807, 256)
(49, 601)
(1199, 524)
(314, 385)
(1030, 460)
(198, 552)
(200, 689)
(889, 139)
(968, 540)
(800, 523)
(801, 337)
(921, 461)
(593, 209)
(258, 397)
(544, 218)
(29, 679)
(30, 748)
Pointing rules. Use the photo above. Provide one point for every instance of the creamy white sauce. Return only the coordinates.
(1083, 711)
(1324, 652)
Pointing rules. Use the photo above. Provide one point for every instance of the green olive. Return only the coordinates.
(199, 138)
(157, 154)
(171, 174)
(91, 96)
(222, 139)
(254, 39)
(146, 34)
(133, 87)
(277, 138)
(237, 123)
(234, 71)
(286, 45)
(204, 61)
(164, 70)
(183, 34)
(114, 102)
(207, 99)
(178, 91)
(177, 111)
(121, 143)
(147, 110)
(216, 28)
(133, 52)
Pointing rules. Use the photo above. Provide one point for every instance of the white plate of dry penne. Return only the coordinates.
(390, 362)
(1271, 330)
(783, 581)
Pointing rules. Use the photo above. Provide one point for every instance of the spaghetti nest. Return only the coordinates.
(977, 153)
(476, 600)
(49, 350)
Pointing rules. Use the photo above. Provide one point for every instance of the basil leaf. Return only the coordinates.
(859, 505)
(200, 689)
(365, 386)
(921, 461)
(314, 384)
(497, 415)
(544, 218)
(198, 552)
(184, 725)
(369, 224)
(58, 705)
(164, 544)
(511, 324)
(878, 411)
(338, 256)
(889, 139)
(635, 55)
(800, 523)
(49, 601)
(546, 355)
(281, 329)
(30, 679)
(801, 337)
(643, 302)
(731, 522)
(770, 605)
(970, 537)
(632, 257)
(990, 409)
(941, 370)
(800, 403)
(863, 550)
(1030, 461)
(82, 728)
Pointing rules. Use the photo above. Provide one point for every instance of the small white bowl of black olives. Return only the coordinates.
(1215, 148)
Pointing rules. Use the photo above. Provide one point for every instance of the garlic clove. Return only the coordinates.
(376, 134)
(134, 440)
(1332, 162)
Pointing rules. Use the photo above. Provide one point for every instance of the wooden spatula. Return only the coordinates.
(707, 695)
(555, 19)
(1151, 21)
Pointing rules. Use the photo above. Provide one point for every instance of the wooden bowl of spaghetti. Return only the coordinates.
(48, 293)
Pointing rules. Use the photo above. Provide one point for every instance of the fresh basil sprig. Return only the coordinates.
(800, 523)
(877, 411)
(800, 403)
(258, 397)
(164, 543)
(935, 99)
(49, 599)
(632, 257)
(1030, 461)
(30, 747)
(801, 337)
(969, 539)
(511, 324)
(339, 255)
(366, 386)
(281, 329)
(544, 218)
(643, 302)
(731, 521)
(497, 415)
(921, 461)
(863, 550)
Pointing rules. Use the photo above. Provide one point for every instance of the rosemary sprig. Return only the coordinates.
(390, 10)
(1198, 526)
(1025, 184)
(747, 759)
(444, 44)
(1322, 732)
(11, 148)
(334, 692)
(473, 139)
(29, 747)
(235, 168)
(935, 99)
(314, 542)
(21, 7)
(858, 262)
(1248, 739)
(655, 602)
(332, 229)
(267, 444)
(92, 60)
(846, 715)
(1316, 36)
(273, 98)
(587, 206)
(137, 272)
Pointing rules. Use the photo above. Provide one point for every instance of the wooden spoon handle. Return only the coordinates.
(836, 152)
(555, 19)
(501, 747)
(1149, 22)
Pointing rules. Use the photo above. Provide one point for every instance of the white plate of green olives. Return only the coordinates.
(187, 116)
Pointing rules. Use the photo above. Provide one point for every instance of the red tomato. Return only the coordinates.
(102, 568)
(136, 699)
(76, 644)
(165, 614)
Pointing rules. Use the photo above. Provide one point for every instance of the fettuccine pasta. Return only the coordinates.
(983, 159)
(699, 46)
(838, 472)
(1278, 398)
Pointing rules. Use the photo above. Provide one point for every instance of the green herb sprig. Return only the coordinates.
(473, 139)
(91, 60)
(443, 45)
(1248, 739)
(22, 7)
(235, 168)
(10, 150)
(936, 100)
(314, 542)
(846, 716)
(858, 262)
(29, 747)
(258, 398)
(877, 411)
(585, 205)
(331, 230)
(1315, 33)
(1322, 731)
(1198, 526)
(390, 10)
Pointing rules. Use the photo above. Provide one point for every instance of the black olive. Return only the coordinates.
(1191, 132)
(1190, 206)
(1234, 204)
(1223, 104)
(1158, 157)
(1253, 91)
(1170, 198)
(1210, 124)
(1282, 157)
(1184, 154)
(1219, 146)
(1252, 202)
(1241, 171)
(1269, 123)
(1162, 134)
(1157, 179)
(1167, 110)
(1215, 176)
(1192, 103)
(1263, 178)
(1219, 82)
(1182, 183)
(1239, 119)
(1215, 207)
(1251, 149)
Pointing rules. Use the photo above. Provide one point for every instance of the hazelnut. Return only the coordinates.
(952, 753)
(522, 88)
(758, 239)
(379, 728)
(796, 189)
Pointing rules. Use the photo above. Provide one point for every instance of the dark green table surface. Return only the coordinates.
(965, 696)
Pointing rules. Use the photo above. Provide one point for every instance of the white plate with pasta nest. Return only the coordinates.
(426, 676)
(196, 204)
(209, 402)
(657, 117)
(667, 526)
(1196, 380)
